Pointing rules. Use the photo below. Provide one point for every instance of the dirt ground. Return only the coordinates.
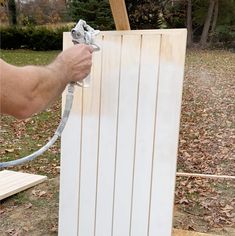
(35, 213)
(206, 145)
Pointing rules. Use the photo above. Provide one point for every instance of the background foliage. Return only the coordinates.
(38, 38)
(143, 14)
(97, 13)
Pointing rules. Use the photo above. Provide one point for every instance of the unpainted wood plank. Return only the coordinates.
(12, 182)
(167, 130)
(107, 134)
(120, 16)
(145, 32)
(89, 147)
(145, 133)
(127, 108)
(179, 232)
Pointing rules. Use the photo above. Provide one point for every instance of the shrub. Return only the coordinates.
(34, 38)
(225, 33)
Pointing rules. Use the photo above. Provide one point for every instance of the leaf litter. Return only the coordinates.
(206, 145)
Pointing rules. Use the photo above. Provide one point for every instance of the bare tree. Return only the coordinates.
(207, 23)
(215, 16)
(12, 14)
(189, 23)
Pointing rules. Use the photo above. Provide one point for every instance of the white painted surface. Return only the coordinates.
(125, 122)
(70, 164)
(128, 95)
(89, 152)
(107, 137)
(148, 92)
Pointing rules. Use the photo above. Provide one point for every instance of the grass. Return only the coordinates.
(20, 138)
(25, 57)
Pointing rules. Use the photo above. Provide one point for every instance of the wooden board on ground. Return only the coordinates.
(178, 232)
(12, 182)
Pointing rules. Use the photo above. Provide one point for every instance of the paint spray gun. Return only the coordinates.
(83, 33)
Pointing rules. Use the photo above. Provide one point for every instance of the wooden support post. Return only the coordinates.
(120, 16)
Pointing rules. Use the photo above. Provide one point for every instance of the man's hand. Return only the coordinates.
(30, 89)
(74, 63)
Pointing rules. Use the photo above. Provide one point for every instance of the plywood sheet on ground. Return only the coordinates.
(178, 232)
(12, 182)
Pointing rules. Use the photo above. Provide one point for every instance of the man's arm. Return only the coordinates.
(30, 89)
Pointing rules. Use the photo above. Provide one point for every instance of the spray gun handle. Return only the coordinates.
(83, 33)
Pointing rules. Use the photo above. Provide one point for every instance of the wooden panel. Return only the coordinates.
(179, 232)
(89, 148)
(120, 16)
(175, 32)
(121, 139)
(70, 162)
(130, 61)
(145, 134)
(12, 182)
(107, 134)
(167, 131)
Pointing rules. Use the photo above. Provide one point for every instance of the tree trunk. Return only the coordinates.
(12, 12)
(189, 24)
(215, 16)
(207, 24)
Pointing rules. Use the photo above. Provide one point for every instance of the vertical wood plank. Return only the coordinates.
(120, 16)
(130, 61)
(145, 134)
(70, 163)
(107, 137)
(167, 131)
(90, 133)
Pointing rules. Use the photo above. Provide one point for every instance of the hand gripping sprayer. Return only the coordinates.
(81, 33)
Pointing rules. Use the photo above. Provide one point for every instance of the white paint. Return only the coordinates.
(89, 152)
(130, 61)
(145, 134)
(107, 137)
(70, 164)
(125, 122)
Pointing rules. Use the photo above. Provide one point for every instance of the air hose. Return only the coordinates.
(82, 33)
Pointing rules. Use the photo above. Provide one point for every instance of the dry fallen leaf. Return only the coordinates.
(10, 150)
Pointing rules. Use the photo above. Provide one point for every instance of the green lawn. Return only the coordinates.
(24, 57)
(20, 138)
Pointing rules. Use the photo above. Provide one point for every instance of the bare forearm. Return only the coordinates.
(27, 90)
(30, 89)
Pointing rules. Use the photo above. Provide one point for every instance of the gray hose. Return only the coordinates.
(82, 33)
(68, 106)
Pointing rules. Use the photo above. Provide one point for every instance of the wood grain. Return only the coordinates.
(12, 182)
(178, 232)
(120, 16)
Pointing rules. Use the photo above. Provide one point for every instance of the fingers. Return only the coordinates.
(91, 49)
(85, 47)
(75, 62)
